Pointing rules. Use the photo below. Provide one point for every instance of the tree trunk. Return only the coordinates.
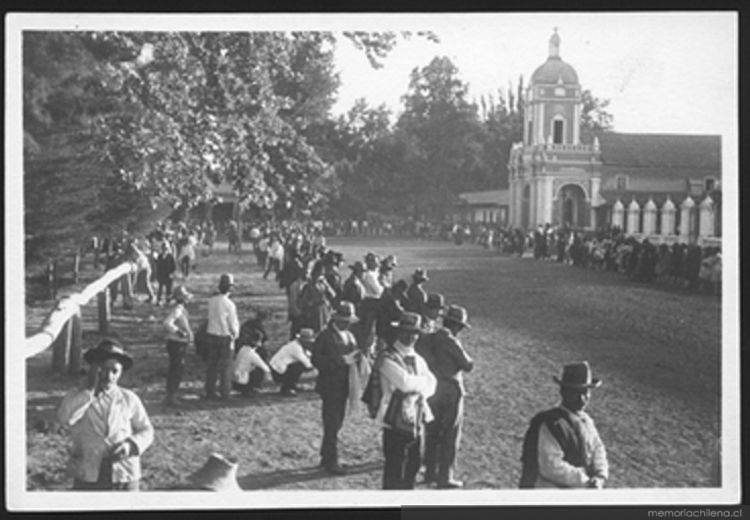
(76, 343)
(104, 310)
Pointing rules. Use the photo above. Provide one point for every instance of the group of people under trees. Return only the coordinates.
(377, 343)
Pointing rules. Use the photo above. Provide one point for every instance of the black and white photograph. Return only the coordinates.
(371, 260)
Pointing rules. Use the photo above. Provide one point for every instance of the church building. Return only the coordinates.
(662, 186)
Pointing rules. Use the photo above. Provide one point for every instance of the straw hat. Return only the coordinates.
(217, 474)
(345, 313)
(457, 314)
(106, 349)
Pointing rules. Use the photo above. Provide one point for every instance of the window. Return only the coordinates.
(559, 91)
(622, 182)
(710, 184)
(557, 131)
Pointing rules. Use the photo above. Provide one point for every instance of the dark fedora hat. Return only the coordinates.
(345, 312)
(226, 280)
(410, 321)
(457, 314)
(108, 348)
(435, 301)
(577, 375)
(420, 275)
(357, 267)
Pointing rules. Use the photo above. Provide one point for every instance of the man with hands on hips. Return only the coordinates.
(108, 424)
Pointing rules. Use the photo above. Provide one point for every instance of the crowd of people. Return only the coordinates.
(371, 340)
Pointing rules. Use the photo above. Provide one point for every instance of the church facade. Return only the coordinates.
(663, 186)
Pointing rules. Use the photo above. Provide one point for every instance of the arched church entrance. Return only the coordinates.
(526, 207)
(573, 210)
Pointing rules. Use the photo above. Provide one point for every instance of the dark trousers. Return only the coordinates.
(334, 409)
(274, 265)
(290, 377)
(185, 266)
(369, 309)
(402, 459)
(219, 363)
(443, 434)
(176, 351)
(165, 284)
(254, 381)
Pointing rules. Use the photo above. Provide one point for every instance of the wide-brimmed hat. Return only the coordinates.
(217, 474)
(181, 294)
(457, 314)
(357, 267)
(577, 375)
(345, 312)
(108, 348)
(420, 275)
(226, 280)
(435, 301)
(410, 321)
(306, 335)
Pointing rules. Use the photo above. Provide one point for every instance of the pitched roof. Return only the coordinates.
(659, 152)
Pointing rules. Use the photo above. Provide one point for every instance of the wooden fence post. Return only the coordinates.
(95, 246)
(61, 349)
(76, 267)
(127, 291)
(104, 310)
(76, 343)
(51, 281)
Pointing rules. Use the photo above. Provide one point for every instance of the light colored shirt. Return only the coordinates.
(98, 424)
(290, 353)
(178, 322)
(393, 376)
(276, 250)
(554, 472)
(222, 316)
(371, 283)
(247, 360)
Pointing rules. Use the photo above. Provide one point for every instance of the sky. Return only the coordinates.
(662, 72)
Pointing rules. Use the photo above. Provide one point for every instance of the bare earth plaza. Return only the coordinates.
(285, 265)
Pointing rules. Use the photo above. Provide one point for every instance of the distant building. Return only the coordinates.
(487, 207)
(664, 186)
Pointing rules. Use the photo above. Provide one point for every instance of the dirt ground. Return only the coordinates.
(657, 350)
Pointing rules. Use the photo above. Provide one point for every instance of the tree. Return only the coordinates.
(594, 114)
(151, 120)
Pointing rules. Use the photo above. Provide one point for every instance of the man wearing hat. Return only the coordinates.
(433, 309)
(334, 351)
(562, 447)
(402, 369)
(386, 271)
(447, 359)
(223, 328)
(108, 424)
(391, 308)
(179, 336)
(371, 300)
(291, 360)
(353, 290)
(416, 297)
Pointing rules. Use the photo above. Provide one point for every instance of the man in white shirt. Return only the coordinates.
(370, 305)
(291, 360)
(562, 447)
(109, 425)
(223, 328)
(403, 369)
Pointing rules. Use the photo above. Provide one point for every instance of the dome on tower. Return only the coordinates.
(555, 70)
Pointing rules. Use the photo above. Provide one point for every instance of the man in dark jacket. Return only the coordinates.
(334, 350)
(447, 360)
(416, 297)
(562, 447)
